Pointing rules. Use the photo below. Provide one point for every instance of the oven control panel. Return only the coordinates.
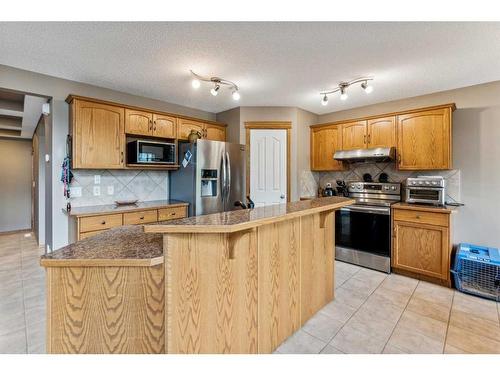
(374, 187)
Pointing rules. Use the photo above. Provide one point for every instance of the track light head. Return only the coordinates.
(195, 83)
(324, 101)
(236, 95)
(343, 94)
(215, 90)
(368, 88)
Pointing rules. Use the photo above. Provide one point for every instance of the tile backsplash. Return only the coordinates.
(127, 184)
(311, 180)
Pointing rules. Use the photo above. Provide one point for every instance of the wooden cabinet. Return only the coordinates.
(424, 140)
(98, 135)
(421, 244)
(354, 135)
(381, 132)
(164, 126)
(88, 226)
(215, 132)
(150, 124)
(324, 142)
(208, 131)
(138, 122)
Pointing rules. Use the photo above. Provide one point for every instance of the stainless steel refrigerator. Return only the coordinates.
(211, 177)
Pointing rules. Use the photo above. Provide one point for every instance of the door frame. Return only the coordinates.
(269, 125)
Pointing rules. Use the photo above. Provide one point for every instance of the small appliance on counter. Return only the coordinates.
(429, 190)
(328, 191)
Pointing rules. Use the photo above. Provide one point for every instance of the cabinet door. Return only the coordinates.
(381, 132)
(185, 127)
(354, 135)
(215, 132)
(424, 140)
(164, 126)
(324, 143)
(421, 248)
(138, 122)
(98, 135)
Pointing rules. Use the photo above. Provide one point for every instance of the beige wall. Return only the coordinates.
(231, 118)
(476, 153)
(15, 184)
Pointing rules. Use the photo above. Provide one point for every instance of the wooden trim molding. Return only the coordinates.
(71, 97)
(269, 125)
(452, 106)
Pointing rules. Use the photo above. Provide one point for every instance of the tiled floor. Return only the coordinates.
(22, 295)
(372, 312)
(378, 313)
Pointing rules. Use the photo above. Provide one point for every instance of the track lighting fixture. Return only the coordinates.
(218, 82)
(342, 87)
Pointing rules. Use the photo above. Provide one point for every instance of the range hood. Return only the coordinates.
(366, 154)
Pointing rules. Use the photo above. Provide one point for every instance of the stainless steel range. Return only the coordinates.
(363, 230)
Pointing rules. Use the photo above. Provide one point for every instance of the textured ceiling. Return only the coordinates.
(275, 64)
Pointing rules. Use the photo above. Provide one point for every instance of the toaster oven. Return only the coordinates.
(429, 190)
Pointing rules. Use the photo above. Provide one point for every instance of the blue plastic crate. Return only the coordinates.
(477, 271)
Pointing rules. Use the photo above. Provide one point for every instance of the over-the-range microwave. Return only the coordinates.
(150, 152)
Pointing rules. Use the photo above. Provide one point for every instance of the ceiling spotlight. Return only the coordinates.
(342, 87)
(368, 88)
(195, 83)
(343, 94)
(215, 90)
(217, 82)
(324, 101)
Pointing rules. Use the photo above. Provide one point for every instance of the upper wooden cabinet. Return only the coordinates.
(164, 126)
(215, 132)
(98, 135)
(138, 122)
(324, 142)
(208, 131)
(381, 132)
(424, 140)
(150, 124)
(354, 135)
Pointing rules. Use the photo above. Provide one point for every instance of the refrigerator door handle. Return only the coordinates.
(222, 177)
(228, 169)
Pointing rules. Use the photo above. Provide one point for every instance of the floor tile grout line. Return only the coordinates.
(449, 320)
(354, 313)
(402, 313)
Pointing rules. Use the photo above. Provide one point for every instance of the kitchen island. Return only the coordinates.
(233, 282)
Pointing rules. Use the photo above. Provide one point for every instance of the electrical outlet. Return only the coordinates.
(76, 191)
(97, 191)
(97, 179)
(111, 190)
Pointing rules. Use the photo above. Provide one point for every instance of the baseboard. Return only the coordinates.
(16, 231)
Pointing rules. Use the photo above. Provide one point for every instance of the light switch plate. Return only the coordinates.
(97, 191)
(97, 179)
(76, 191)
(111, 190)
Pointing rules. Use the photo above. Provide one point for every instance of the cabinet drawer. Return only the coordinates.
(432, 218)
(171, 213)
(140, 217)
(89, 234)
(89, 224)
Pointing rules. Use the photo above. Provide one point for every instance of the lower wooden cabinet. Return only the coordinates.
(88, 226)
(421, 244)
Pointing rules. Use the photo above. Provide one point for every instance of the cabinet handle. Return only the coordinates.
(173, 214)
(142, 218)
(122, 156)
(154, 129)
(150, 125)
(399, 158)
(369, 138)
(103, 222)
(364, 139)
(417, 216)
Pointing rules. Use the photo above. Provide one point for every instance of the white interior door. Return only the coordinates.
(268, 166)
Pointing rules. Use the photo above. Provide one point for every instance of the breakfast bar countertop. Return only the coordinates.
(113, 208)
(234, 221)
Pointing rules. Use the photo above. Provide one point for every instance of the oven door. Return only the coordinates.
(364, 228)
(155, 152)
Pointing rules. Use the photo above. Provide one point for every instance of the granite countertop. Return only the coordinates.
(234, 221)
(421, 207)
(113, 208)
(122, 246)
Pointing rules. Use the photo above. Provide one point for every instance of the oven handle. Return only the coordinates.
(368, 210)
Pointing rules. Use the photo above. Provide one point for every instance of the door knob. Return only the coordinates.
(282, 196)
